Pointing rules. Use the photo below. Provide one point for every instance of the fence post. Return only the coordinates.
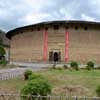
(85, 98)
(60, 98)
(66, 97)
(49, 98)
(76, 98)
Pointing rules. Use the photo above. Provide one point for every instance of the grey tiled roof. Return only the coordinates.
(10, 33)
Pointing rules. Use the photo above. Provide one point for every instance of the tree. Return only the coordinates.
(2, 51)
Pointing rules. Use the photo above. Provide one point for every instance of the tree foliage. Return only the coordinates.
(2, 51)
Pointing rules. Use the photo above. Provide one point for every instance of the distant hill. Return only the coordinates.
(3, 39)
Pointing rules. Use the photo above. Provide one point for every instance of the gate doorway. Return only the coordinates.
(54, 56)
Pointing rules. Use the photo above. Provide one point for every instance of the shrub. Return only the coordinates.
(98, 67)
(35, 76)
(59, 68)
(90, 65)
(65, 67)
(3, 62)
(74, 65)
(54, 66)
(27, 74)
(36, 87)
(98, 91)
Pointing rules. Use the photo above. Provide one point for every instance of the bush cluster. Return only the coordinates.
(36, 85)
(74, 65)
(3, 62)
(65, 67)
(35, 76)
(90, 65)
(27, 74)
(98, 91)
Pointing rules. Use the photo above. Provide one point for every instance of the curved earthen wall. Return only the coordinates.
(27, 47)
(84, 44)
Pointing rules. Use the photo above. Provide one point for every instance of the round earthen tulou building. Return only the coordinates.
(61, 41)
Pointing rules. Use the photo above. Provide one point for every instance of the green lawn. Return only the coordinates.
(82, 82)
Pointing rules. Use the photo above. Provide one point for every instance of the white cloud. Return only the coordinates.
(15, 13)
(95, 2)
(35, 18)
(95, 6)
(87, 18)
(67, 14)
(37, 4)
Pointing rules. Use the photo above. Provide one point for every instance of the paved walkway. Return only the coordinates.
(39, 65)
(6, 74)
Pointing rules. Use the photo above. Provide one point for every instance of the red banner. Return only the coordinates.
(45, 49)
(66, 46)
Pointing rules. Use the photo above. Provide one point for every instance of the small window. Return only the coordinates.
(67, 27)
(46, 28)
(85, 28)
(38, 29)
(76, 28)
(56, 27)
(32, 29)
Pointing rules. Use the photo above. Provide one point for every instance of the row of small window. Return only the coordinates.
(56, 27)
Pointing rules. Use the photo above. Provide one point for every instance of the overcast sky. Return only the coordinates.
(16, 13)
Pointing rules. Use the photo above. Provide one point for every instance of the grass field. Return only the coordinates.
(64, 82)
